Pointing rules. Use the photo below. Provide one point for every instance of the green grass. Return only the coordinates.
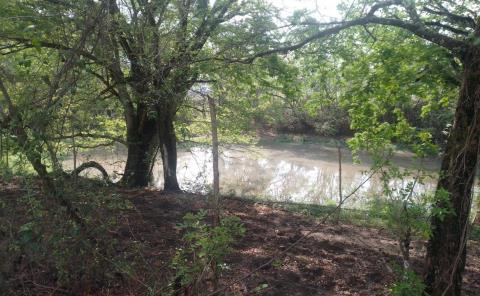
(17, 166)
(358, 217)
(308, 139)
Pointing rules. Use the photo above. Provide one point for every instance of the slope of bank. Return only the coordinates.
(337, 259)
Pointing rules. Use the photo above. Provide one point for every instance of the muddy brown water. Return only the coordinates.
(294, 172)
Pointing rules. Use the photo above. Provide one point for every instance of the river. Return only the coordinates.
(293, 172)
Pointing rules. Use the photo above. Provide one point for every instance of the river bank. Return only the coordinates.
(336, 259)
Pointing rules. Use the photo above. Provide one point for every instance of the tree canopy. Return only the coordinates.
(85, 74)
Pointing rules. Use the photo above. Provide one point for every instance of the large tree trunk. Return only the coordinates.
(446, 252)
(141, 143)
(168, 150)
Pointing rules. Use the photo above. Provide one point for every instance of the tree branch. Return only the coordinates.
(416, 28)
(423, 32)
(93, 136)
(94, 165)
(28, 43)
(448, 28)
(459, 19)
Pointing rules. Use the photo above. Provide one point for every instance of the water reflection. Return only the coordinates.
(281, 172)
(279, 175)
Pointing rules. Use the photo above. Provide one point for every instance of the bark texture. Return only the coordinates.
(168, 151)
(141, 144)
(446, 251)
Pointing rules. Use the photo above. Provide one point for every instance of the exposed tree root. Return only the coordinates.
(95, 165)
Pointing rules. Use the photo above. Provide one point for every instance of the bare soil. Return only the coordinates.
(337, 259)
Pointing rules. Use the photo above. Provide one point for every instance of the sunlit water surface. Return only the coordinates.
(305, 173)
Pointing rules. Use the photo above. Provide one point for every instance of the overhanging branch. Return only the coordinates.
(93, 136)
(30, 43)
(417, 28)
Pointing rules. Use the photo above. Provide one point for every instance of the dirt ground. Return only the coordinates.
(335, 260)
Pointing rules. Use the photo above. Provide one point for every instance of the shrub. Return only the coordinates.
(409, 283)
(204, 245)
(42, 245)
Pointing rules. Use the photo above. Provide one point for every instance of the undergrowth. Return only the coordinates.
(42, 250)
(201, 259)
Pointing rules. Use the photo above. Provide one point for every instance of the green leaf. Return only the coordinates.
(37, 44)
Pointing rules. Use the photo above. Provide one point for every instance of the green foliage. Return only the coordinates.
(441, 204)
(408, 283)
(475, 233)
(398, 90)
(204, 245)
(260, 288)
(392, 89)
(55, 250)
(403, 217)
(18, 166)
(405, 211)
(6, 174)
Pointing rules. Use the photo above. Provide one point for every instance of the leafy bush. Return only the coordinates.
(405, 219)
(41, 244)
(409, 283)
(408, 216)
(204, 245)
